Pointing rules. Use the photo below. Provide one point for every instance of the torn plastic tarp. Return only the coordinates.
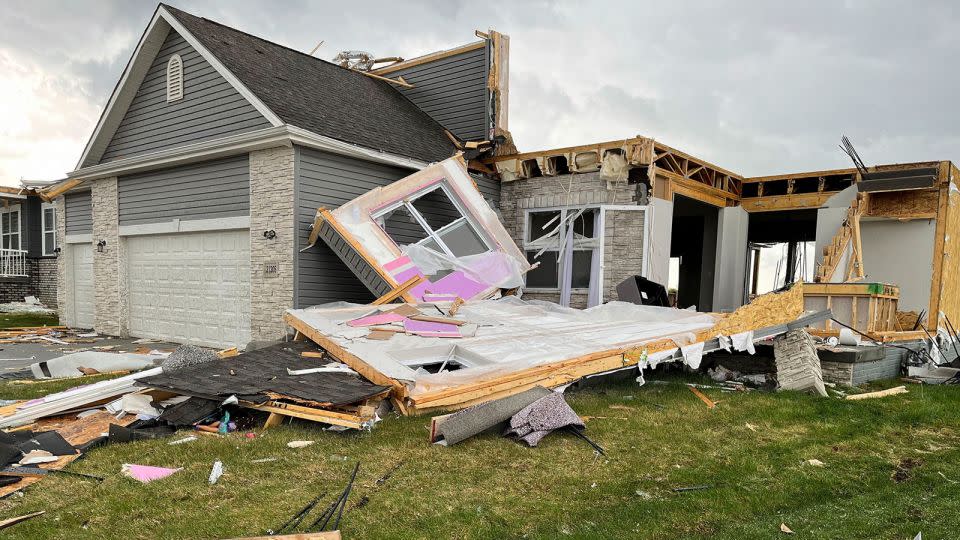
(492, 268)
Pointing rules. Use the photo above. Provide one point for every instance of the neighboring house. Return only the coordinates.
(28, 245)
(185, 217)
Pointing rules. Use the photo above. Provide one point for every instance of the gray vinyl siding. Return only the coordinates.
(453, 91)
(329, 181)
(210, 108)
(208, 190)
(78, 210)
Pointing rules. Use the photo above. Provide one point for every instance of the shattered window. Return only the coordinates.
(583, 224)
(433, 220)
(542, 224)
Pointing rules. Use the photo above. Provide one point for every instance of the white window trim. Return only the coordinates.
(174, 78)
(9, 210)
(595, 247)
(433, 235)
(44, 230)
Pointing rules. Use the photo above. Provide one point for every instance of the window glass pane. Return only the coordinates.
(462, 239)
(6, 241)
(48, 242)
(582, 263)
(5, 223)
(402, 227)
(545, 275)
(542, 223)
(583, 224)
(437, 209)
(48, 222)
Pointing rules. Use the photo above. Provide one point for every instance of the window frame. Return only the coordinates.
(432, 235)
(18, 208)
(44, 230)
(592, 245)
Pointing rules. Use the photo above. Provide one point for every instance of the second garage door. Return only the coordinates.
(190, 287)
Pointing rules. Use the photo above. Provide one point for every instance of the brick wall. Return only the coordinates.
(108, 317)
(14, 289)
(271, 208)
(623, 234)
(44, 280)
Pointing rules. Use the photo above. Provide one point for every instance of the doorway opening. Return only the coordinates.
(693, 243)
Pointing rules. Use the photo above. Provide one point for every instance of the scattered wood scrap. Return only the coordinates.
(19, 519)
(878, 394)
(703, 397)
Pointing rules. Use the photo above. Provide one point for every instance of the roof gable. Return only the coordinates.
(210, 107)
(322, 97)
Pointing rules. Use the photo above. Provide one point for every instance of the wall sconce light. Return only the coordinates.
(270, 235)
(57, 250)
(100, 245)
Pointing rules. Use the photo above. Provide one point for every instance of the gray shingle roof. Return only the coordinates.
(322, 97)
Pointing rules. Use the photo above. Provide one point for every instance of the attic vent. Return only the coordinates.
(174, 78)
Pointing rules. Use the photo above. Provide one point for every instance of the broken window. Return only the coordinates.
(564, 242)
(432, 219)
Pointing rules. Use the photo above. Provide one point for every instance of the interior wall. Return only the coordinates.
(731, 266)
(660, 222)
(900, 253)
(830, 217)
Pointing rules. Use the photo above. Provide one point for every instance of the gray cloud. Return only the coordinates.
(757, 87)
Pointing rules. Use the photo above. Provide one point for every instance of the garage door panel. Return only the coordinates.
(191, 287)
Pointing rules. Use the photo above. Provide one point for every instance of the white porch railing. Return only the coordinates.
(13, 262)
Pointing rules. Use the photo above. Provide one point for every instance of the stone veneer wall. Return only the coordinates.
(44, 280)
(107, 282)
(623, 235)
(271, 209)
(63, 262)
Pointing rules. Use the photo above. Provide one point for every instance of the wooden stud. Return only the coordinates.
(398, 291)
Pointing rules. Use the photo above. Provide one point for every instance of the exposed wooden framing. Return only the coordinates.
(766, 310)
(785, 202)
(881, 306)
(56, 190)
(938, 286)
(848, 233)
(432, 57)
(398, 291)
(347, 358)
(498, 82)
(398, 81)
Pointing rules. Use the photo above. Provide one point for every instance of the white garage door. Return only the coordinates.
(190, 287)
(82, 255)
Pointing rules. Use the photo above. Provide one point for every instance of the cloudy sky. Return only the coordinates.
(756, 87)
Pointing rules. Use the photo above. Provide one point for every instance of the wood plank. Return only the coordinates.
(307, 413)
(326, 535)
(10, 522)
(936, 280)
(398, 291)
(772, 203)
(432, 57)
(342, 355)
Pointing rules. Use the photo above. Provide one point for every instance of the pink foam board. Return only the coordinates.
(431, 329)
(396, 263)
(380, 318)
(146, 473)
(459, 284)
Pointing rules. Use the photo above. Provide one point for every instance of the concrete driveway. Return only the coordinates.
(14, 357)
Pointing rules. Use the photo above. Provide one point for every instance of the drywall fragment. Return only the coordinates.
(216, 472)
(692, 354)
(299, 444)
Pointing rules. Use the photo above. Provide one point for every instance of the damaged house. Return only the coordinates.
(231, 179)
(28, 244)
(188, 212)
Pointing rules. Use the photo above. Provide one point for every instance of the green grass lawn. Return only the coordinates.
(658, 438)
(15, 320)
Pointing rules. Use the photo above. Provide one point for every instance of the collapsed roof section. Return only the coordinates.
(495, 348)
(432, 231)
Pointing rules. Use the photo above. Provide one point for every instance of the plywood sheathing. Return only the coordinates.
(765, 311)
(919, 204)
(945, 285)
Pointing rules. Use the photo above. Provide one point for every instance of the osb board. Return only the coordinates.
(76, 432)
(903, 204)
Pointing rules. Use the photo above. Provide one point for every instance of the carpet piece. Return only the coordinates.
(542, 417)
(492, 414)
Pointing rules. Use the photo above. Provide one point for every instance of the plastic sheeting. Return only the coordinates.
(493, 268)
(511, 335)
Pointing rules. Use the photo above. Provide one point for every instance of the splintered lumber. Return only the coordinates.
(703, 397)
(441, 320)
(228, 353)
(14, 520)
(398, 291)
(341, 354)
(878, 394)
(355, 421)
